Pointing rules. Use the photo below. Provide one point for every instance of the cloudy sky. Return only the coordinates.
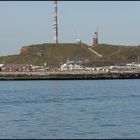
(25, 23)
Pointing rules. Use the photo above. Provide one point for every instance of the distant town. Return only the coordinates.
(68, 70)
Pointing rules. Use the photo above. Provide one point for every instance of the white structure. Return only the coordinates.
(1, 65)
(133, 65)
(78, 41)
(70, 67)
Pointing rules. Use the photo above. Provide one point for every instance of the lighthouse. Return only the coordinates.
(95, 39)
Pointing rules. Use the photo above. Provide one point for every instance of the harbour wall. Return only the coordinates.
(68, 75)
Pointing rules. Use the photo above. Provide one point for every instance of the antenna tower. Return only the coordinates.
(55, 22)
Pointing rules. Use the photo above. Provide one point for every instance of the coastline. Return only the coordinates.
(68, 75)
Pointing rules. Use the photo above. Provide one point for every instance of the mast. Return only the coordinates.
(55, 22)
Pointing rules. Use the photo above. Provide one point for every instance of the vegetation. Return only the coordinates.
(54, 55)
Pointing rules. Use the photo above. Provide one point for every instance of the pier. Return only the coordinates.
(69, 75)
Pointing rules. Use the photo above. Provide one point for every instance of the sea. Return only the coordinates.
(70, 109)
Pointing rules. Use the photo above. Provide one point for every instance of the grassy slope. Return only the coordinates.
(118, 54)
(55, 55)
(51, 54)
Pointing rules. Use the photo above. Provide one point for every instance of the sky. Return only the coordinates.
(31, 22)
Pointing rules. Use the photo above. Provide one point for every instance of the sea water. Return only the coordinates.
(70, 109)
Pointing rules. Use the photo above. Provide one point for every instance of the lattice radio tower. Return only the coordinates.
(55, 22)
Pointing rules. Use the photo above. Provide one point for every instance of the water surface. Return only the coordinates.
(70, 109)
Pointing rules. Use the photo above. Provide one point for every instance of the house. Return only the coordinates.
(70, 66)
(16, 68)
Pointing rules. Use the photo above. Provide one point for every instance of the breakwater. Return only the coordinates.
(68, 75)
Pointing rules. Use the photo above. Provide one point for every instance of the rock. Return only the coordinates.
(24, 49)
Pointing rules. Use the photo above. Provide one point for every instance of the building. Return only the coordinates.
(95, 39)
(16, 68)
(70, 66)
(78, 41)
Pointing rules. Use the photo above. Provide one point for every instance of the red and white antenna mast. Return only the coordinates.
(55, 22)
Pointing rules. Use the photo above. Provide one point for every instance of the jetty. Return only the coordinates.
(69, 75)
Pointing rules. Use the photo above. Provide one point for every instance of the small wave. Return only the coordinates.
(93, 132)
(135, 96)
(20, 120)
(106, 125)
(81, 99)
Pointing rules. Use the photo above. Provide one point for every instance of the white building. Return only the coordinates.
(70, 67)
(1, 65)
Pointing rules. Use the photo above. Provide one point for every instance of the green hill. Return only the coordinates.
(119, 54)
(54, 55)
